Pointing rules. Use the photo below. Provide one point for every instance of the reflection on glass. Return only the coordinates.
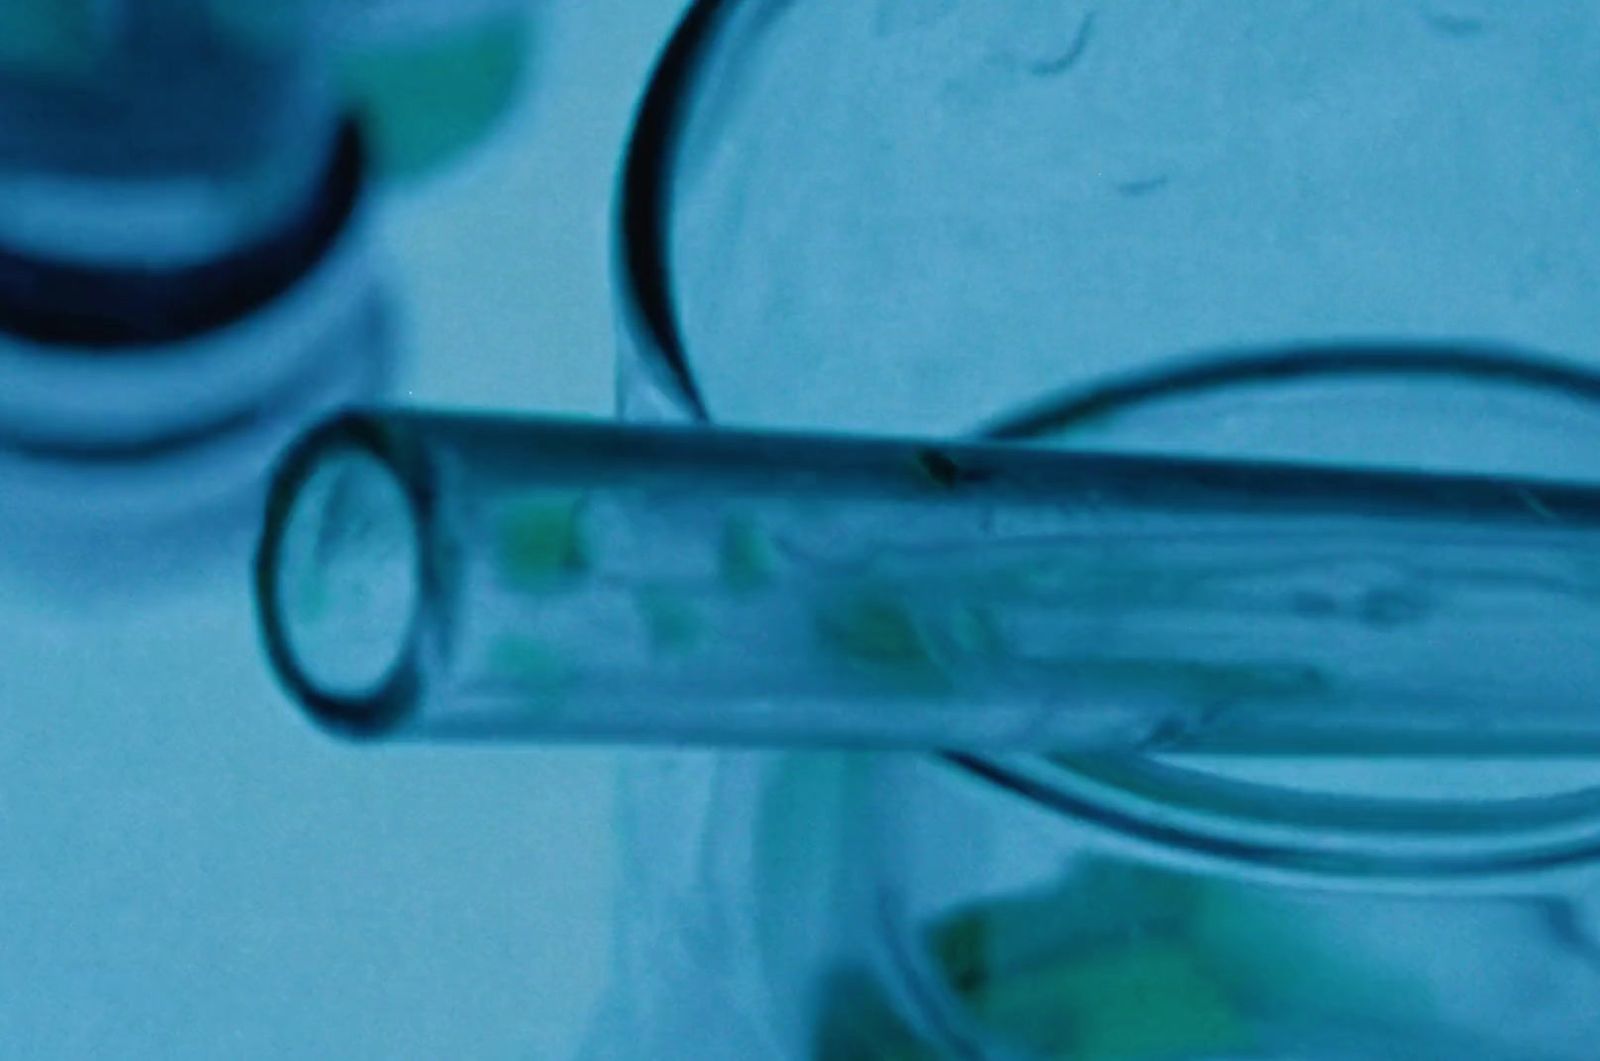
(522, 579)
(1034, 219)
(185, 277)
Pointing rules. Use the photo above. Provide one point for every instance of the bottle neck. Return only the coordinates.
(54, 299)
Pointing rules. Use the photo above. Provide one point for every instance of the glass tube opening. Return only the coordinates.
(341, 581)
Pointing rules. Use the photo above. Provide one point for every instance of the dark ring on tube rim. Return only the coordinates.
(382, 711)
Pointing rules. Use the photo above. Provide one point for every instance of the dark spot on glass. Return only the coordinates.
(1393, 607)
(1053, 66)
(1314, 604)
(944, 471)
(1450, 24)
(1133, 189)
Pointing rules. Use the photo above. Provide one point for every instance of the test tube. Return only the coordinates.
(513, 579)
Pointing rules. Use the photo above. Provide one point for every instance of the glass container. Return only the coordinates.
(158, 133)
(1335, 231)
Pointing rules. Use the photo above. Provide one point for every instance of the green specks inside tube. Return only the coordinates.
(920, 643)
(530, 665)
(877, 633)
(542, 541)
(749, 558)
(973, 632)
(674, 622)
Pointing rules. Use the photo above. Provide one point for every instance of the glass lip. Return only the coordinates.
(386, 705)
(643, 289)
(642, 206)
(1171, 813)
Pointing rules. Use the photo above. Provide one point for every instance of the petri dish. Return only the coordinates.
(1328, 231)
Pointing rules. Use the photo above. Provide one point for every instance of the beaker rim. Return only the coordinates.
(1277, 833)
(642, 205)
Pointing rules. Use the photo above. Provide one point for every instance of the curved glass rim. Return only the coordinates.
(1169, 811)
(383, 705)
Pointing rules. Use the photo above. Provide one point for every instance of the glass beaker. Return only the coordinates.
(1342, 231)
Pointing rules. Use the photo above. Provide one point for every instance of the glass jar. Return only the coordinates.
(1322, 230)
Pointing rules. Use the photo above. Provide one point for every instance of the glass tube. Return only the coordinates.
(921, 217)
(529, 579)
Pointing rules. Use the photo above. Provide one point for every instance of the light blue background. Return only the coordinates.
(187, 869)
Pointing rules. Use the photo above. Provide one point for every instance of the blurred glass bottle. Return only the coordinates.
(184, 273)
(186, 277)
(157, 132)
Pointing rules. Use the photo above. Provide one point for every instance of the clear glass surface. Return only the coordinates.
(1348, 231)
(521, 579)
